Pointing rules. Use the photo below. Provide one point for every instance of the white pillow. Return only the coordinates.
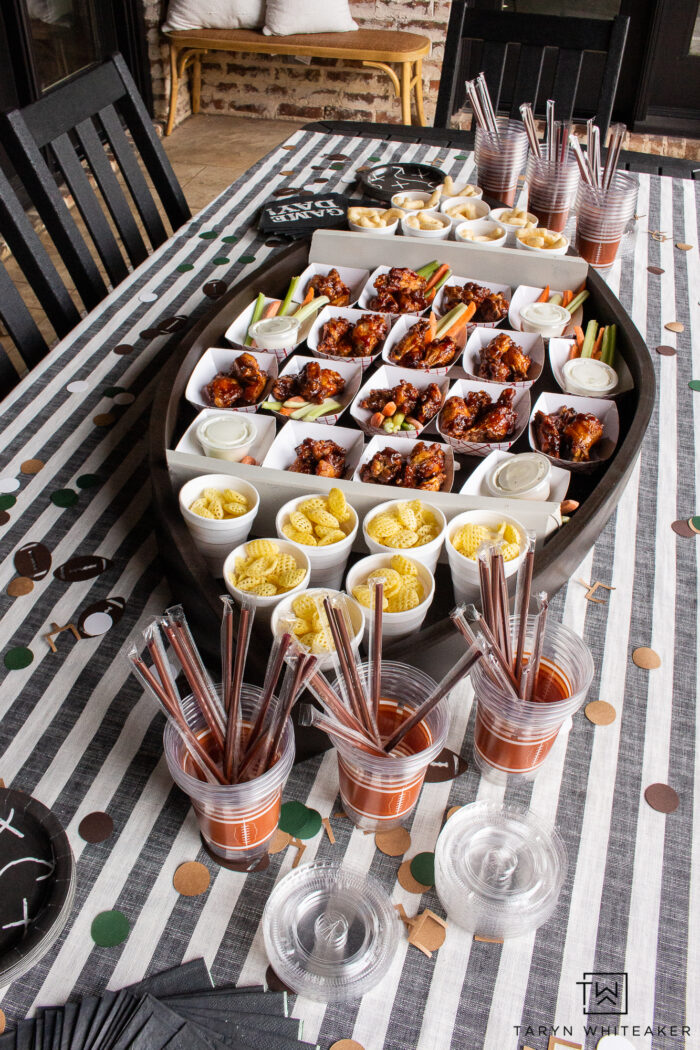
(285, 17)
(215, 14)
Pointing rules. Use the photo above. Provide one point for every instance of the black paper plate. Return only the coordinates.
(37, 882)
(384, 180)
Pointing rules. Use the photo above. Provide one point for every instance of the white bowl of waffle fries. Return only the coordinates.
(413, 527)
(409, 589)
(219, 511)
(325, 528)
(427, 223)
(263, 571)
(514, 220)
(374, 220)
(485, 232)
(304, 617)
(544, 242)
(465, 534)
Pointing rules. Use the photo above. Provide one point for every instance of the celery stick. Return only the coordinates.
(329, 405)
(398, 419)
(287, 301)
(257, 314)
(273, 406)
(301, 412)
(449, 318)
(429, 269)
(577, 301)
(608, 351)
(556, 299)
(438, 285)
(311, 308)
(589, 338)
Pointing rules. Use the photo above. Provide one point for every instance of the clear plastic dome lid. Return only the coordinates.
(330, 933)
(499, 869)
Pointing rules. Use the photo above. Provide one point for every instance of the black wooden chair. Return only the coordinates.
(74, 127)
(41, 275)
(519, 48)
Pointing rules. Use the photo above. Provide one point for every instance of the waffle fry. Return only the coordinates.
(220, 504)
(402, 588)
(405, 524)
(264, 570)
(469, 538)
(320, 520)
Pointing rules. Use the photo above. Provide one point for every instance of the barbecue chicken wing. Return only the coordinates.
(420, 405)
(313, 383)
(331, 285)
(568, 434)
(342, 338)
(323, 458)
(490, 306)
(415, 350)
(368, 333)
(478, 418)
(425, 468)
(503, 361)
(459, 413)
(399, 291)
(384, 468)
(242, 385)
(336, 337)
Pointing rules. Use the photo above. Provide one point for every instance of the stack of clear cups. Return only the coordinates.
(499, 162)
(602, 217)
(379, 793)
(513, 737)
(236, 821)
(552, 189)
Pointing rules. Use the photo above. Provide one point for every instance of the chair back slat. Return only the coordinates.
(112, 193)
(47, 199)
(133, 176)
(523, 40)
(89, 207)
(23, 330)
(527, 80)
(34, 262)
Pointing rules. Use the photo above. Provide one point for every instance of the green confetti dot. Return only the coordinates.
(17, 658)
(337, 167)
(112, 391)
(423, 868)
(6, 501)
(109, 928)
(64, 497)
(208, 235)
(293, 817)
(229, 239)
(311, 826)
(221, 260)
(461, 156)
(247, 258)
(374, 158)
(694, 384)
(184, 267)
(695, 522)
(88, 481)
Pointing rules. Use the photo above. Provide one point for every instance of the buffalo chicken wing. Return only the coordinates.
(503, 361)
(424, 468)
(567, 434)
(478, 418)
(242, 385)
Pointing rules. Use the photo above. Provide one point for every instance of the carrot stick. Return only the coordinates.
(432, 327)
(308, 297)
(435, 277)
(577, 345)
(544, 298)
(459, 324)
(272, 308)
(566, 298)
(598, 343)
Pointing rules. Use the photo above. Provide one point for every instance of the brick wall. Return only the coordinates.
(284, 88)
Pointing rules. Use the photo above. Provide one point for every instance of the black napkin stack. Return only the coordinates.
(178, 1009)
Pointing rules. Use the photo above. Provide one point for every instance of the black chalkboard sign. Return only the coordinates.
(37, 882)
(384, 180)
(300, 214)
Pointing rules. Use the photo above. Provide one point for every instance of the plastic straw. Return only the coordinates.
(355, 676)
(522, 605)
(309, 716)
(340, 661)
(487, 106)
(472, 631)
(178, 634)
(617, 133)
(275, 664)
(232, 745)
(305, 668)
(475, 103)
(154, 644)
(550, 129)
(450, 680)
(226, 648)
(485, 587)
(375, 650)
(498, 571)
(582, 161)
(533, 668)
(530, 128)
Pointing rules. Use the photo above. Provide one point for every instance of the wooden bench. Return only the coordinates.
(375, 48)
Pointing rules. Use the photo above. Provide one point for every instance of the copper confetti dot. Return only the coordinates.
(347, 1044)
(280, 841)
(392, 843)
(656, 270)
(104, 419)
(662, 798)
(674, 326)
(2, 1021)
(191, 879)
(646, 658)
(4, 517)
(682, 528)
(287, 172)
(683, 246)
(487, 940)
(96, 827)
(600, 713)
(665, 350)
(288, 147)
(19, 586)
(451, 811)
(32, 466)
(407, 881)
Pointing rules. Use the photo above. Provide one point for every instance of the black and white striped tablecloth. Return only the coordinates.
(77, 732)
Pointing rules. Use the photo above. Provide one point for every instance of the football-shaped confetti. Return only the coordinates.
(33, 560)
(99, 617)
(446, 766)
(82, 567)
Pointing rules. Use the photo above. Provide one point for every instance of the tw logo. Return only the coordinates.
(604, 993)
